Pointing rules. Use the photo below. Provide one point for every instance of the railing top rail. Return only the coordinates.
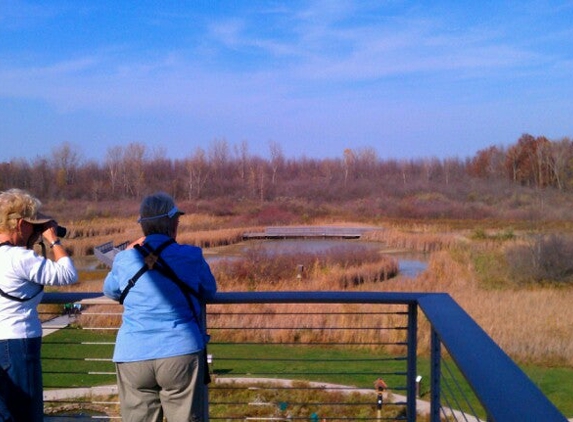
(316, 297)
(264, 297)
(494, 377)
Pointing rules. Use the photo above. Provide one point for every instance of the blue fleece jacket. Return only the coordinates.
(157, 321)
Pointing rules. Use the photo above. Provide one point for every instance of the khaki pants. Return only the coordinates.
(171, 387)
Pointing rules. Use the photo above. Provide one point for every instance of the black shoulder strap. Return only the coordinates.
(21, 299)
(153, 260)
(168, 272)
(18, 299)
(150, 257)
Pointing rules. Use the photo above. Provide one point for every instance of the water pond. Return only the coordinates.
(411, 264)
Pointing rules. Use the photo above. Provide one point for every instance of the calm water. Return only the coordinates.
(411, 264)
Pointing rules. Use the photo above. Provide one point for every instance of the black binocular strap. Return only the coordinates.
(18, 299)
(150, 257)
(168, 272)
(153, 257)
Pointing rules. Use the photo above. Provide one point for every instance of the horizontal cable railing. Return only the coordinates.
(306, 360)
(306, 356)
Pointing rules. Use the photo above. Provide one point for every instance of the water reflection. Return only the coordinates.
(411, 264)
(410, 268)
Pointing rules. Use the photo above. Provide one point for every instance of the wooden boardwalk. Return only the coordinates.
(303, 232)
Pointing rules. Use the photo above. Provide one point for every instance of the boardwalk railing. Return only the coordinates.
(308, 232)
(316, 356)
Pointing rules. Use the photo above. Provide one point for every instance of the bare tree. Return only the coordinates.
(114, 164)
(242, 153)
(65, 161)
(219, 154)
(133, 165)
(39, 177)
(349, 163)
(257, 185)
(560, 154)
(366, 162)
(197, 173)
(277, 159)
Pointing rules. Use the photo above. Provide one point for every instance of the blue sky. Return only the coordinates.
(411, 79)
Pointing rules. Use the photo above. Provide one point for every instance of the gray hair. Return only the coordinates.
(158, 213)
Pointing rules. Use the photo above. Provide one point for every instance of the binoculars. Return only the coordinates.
(60, 230)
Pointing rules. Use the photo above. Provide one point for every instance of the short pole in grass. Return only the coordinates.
(379, 387)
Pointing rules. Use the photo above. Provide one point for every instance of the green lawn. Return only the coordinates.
(64, 363)
(65, 355)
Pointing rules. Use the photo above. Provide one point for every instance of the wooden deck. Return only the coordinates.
(290, 232)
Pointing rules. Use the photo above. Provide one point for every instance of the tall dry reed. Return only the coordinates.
(532, 325)
(421, 241)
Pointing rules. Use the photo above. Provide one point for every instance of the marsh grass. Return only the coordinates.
(344, 266)
(419, 239)
(532, 323)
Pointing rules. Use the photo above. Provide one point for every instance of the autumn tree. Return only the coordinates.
(488, 163)
(522, 162)
(65, 161)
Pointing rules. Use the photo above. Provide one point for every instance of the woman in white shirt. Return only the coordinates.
(23, 275)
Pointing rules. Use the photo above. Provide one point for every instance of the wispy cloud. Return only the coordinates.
(361, 65)
(321, 44)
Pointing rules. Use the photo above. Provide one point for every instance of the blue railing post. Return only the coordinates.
(205, 387)
(412, 357)
(435, 372)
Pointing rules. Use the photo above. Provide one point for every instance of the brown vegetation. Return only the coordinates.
(495, 227)
(261, 269)
(530, 321)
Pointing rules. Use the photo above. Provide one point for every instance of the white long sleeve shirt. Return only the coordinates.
(23, 273)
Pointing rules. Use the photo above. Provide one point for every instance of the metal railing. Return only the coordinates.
(308, 232)
(316, 356)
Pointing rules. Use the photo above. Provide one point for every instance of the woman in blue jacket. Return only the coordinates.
(160, 346)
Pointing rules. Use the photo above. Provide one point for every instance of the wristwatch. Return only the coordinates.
(55, 242)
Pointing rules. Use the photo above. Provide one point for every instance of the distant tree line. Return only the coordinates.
(532, 161)
(231, 172)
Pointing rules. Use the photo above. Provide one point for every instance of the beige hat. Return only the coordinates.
(39, 218)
